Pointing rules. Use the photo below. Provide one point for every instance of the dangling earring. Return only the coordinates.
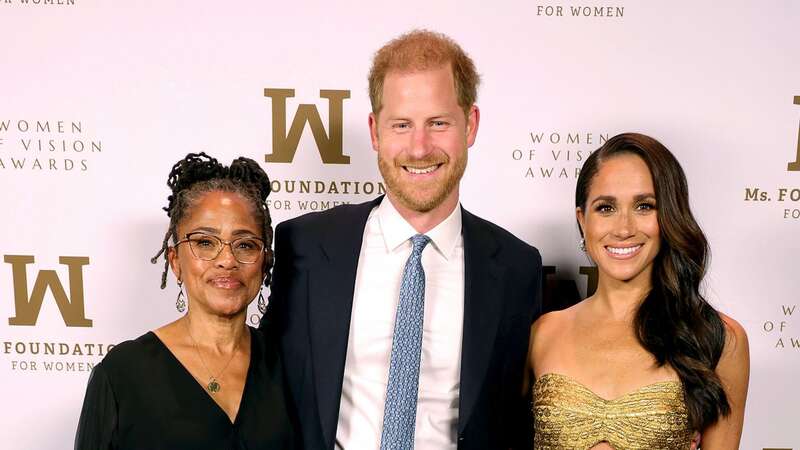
(582, 245)
(180, 303)
(262, 305)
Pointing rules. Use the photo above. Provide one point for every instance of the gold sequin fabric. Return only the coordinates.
(569, 416)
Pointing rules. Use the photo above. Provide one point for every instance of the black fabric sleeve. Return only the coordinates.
(97, 427)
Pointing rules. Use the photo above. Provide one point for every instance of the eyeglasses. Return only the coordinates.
(246, 250)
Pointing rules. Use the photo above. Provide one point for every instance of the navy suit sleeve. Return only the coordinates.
(537, 290)
(522, 409)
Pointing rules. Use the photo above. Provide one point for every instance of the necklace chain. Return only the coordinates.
(213, 385)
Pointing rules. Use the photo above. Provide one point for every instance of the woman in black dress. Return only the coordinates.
(206, 380)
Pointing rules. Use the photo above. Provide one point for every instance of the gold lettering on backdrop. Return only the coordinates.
(284, 145)
(560, 293)
(27, 308)
(795, 166)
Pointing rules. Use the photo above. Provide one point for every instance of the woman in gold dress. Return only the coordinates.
(645, 362)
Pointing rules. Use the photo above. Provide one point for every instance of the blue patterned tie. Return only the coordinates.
(400, 410)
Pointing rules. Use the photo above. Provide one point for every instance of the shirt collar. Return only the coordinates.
(396, 231)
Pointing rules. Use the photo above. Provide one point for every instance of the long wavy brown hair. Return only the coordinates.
(674, 323)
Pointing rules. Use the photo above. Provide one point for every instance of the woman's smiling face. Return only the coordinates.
(222, 286)
(620, 221)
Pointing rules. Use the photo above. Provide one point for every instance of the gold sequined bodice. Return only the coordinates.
(569, 416)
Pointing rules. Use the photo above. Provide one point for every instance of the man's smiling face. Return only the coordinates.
(421, 135)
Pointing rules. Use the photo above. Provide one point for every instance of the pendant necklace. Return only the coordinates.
(213, 385)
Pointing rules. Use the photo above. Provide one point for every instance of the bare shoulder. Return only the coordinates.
(547, 324)
(736, 343)
(549, 334)
(550, 327)
(734, 364)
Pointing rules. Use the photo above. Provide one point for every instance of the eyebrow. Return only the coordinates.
(439, 116)
(612, 199)
(214, 231)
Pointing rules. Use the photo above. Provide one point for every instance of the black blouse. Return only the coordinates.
(141, 397)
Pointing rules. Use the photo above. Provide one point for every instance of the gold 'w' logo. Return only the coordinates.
(27, 308)
(284, 145)
(795, 166)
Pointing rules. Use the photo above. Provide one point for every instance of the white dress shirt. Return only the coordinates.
(384, 251)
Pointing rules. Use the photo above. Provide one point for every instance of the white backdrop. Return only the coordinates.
(99, 99)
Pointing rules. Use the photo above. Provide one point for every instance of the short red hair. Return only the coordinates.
(422, 50)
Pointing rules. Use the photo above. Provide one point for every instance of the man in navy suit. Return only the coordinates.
(404, 322)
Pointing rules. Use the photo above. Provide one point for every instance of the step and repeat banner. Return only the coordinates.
(99, 99)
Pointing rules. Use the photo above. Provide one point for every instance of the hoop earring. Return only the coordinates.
(180, 303)
(582, 245)
(262, 304)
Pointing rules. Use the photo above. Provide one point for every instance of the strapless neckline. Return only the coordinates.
(618, 399)
(570, 416)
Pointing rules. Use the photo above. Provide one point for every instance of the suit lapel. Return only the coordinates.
(483, 299)
(331, 286)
